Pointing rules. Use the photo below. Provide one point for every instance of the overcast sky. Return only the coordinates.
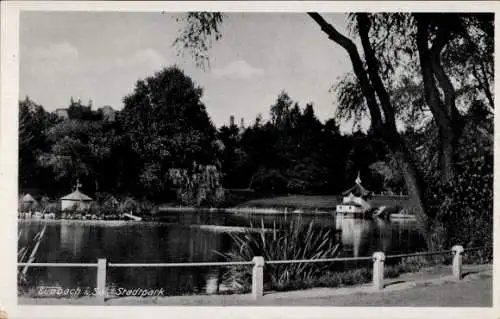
(100, 56)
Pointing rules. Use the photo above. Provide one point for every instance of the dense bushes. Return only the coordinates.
(463, 209)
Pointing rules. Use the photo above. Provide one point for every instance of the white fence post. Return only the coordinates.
(258, 277)
(457, 261)
(378, 270)
(101, 280)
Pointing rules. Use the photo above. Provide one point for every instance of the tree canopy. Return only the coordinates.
(167, 125)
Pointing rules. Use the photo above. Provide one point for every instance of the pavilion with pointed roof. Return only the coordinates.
(27, 202)
(76, 200)
(357, 190)
(28, 199)
(354, 201)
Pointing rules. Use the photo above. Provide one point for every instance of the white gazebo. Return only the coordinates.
(355, 200)
(76, 200)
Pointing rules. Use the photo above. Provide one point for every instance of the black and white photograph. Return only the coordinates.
(245, 158)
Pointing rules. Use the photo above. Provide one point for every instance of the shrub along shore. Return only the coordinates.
(292, 204)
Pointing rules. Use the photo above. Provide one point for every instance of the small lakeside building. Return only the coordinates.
(76, 200)
(27, 202)
(28, 199)
(355, 200)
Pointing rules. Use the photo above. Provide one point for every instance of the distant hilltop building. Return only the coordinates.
(232, 123)
(76, 200)
(62, 113)
(355, 200)
(108, 113)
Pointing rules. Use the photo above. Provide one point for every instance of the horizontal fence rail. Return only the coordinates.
(80, 265)
(200, 264)
(258, 263)
(427, 253)
(319, 260)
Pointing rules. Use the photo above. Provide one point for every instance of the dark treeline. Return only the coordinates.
(164, 126)
(295, 153)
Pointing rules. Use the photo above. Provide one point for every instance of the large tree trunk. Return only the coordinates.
(364, 25)
(392, 138)
(416, 188)
(482, 79)
(445, 113)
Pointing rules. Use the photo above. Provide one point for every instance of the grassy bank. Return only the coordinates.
(295, 202)
(234, 202)
(325, 202)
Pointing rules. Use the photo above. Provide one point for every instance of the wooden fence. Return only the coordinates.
(258, 263)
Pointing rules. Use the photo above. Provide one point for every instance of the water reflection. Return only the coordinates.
(72, 238)
(385, 231)
(179, 241)
(356, 234)
(363, 237)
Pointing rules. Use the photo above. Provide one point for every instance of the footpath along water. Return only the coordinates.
(411, 290)
(190, 238)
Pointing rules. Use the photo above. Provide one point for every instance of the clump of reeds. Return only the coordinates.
(296, 241)
(23, 255)
(291, 241)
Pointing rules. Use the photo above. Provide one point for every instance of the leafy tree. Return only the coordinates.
(84, 149)
(74, 152)
(33, 122)
(280, 111)
(391, 179)
(168, 127)
(201, 184)
(234, 157)
(305, 151)
(335, 151)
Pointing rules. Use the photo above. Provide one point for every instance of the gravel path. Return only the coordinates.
(433, 287)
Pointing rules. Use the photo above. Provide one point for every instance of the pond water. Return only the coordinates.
(178, 238)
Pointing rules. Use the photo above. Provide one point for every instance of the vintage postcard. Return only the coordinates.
(247, 159)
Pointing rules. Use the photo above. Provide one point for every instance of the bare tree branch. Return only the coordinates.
(373, 70)
(358, 67)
